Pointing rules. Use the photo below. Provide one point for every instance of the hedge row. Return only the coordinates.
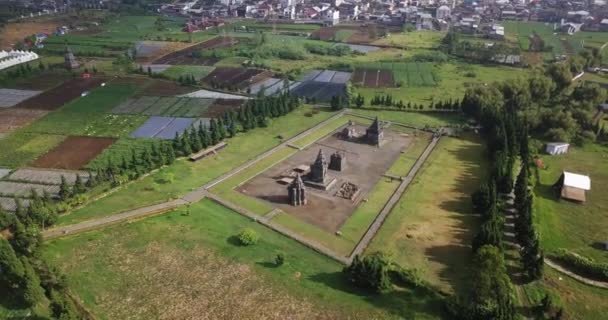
(584, 266)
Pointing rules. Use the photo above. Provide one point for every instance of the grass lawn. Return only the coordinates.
(430, 228)
(452, 79)
(192, 262)
(417, 119)
(198, 72)
(21, 147)
(226, 188)
(87, 115)
(564, 224)
(580, 301)
(413, 40)
(406, 161)
(189, 175)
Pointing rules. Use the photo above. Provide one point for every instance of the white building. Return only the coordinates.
(555, 148)
(443, 13)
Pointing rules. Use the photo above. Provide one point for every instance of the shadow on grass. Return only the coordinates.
(234, 240)
(267, 264)
(401, 302)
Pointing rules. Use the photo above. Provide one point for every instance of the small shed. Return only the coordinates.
(555, 148)
(573, 186)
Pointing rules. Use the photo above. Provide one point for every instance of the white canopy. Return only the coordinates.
(578, 181)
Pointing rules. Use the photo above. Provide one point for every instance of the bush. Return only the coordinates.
(582, 265)
(410, 277)
(279, 260)
(248, 237)
(370, 272)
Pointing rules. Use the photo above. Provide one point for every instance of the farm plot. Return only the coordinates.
(14, 118)
(187, 56)
(410, 74)
(9, 204)
(198, 72)
(49, 177)
(319, 91)
(11, 97)
(352, 34)
(165, 106)
(237, 78)
(373, 78)
(220, 106)
(60, 95)
(164, 89)
(162, 127)
(155, 68)
(73, 153)
(20, 189)
(213, 95)
(327, 76)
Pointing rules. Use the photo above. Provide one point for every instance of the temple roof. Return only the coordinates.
(375, 127)
(320, 158)
(297, 183)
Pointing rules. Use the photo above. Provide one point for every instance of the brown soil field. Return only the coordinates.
(73, 153)
(220, 106)
(42, 81)
(164, 88)
(362, 33)
(14, 118)
(16, 31)
(365, 166)
(60, 95)
(237, 78)
(166, 50)
(184, 57)
(373, 78)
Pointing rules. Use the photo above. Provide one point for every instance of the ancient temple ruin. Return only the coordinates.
(374, 134)
(70, 60)
(318, 170)
(337, 161)
(318, 176)
(296, 192)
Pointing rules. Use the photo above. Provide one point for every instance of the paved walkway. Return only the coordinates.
(375, 226)
(113, 219)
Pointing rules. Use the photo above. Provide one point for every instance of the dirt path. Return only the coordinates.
(113, 219)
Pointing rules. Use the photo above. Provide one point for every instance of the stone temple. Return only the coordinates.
(374, 134)
(318, 176)
(296, 192)
(318, 170)
(70, 60)
(337, 161)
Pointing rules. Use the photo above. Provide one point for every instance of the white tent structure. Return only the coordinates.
(15, 57)
(574, 186)
(555, 148)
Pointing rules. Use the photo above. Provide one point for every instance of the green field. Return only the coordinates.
(430, 228)
(564, 224)
(454, 79)
(195, 262)
(87, 116)
(416, 119)
(20, 147)
(413, 40)
(407, 74)
(199, 72)
(190, 175)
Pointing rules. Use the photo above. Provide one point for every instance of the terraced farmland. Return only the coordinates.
(165, 106)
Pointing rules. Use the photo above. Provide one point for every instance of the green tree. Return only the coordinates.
(369, 272)
(64, 189)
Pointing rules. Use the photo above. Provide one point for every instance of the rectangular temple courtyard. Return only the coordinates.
(324, 183)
